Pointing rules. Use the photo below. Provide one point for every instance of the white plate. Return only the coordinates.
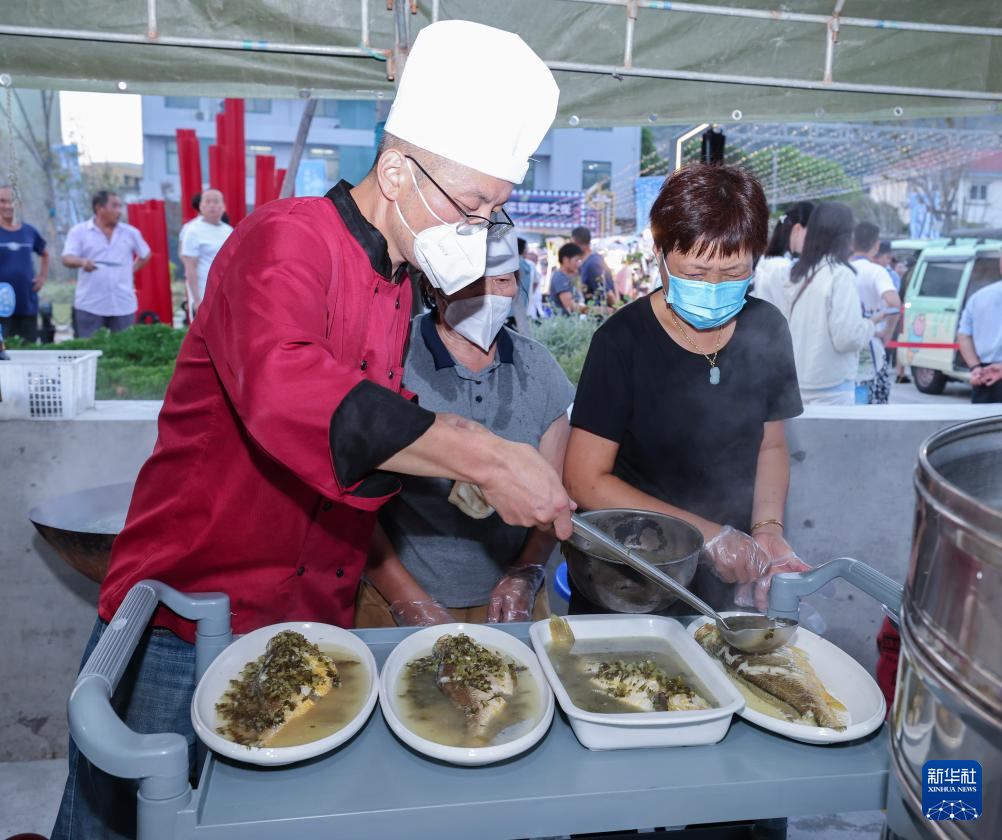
(420, 644)
(603, 731)
(228, 665)
(843, 677)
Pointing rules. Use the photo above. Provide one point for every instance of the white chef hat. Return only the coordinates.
(476, 95)
(502, 254)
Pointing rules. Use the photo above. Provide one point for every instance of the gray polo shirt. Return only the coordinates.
(518, 397)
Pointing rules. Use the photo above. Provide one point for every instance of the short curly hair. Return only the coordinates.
(711, 209)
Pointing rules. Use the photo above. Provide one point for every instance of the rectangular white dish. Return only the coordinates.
(602, 731)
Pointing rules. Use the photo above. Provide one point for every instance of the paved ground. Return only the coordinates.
(907, 393)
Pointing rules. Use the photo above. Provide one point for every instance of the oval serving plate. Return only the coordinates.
(842, 676)
(228, 665)
(420, 644)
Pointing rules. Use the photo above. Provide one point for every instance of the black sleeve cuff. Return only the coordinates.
(369, 426)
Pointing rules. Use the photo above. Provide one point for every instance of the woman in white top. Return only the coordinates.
(785, 244)
(822, 305)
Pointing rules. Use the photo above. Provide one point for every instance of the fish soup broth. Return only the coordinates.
(427, 712)
(572, 666)
(333, 711)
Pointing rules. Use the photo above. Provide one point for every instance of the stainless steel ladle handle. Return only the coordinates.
(587, 531)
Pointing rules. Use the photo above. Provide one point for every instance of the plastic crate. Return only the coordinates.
(47, 384)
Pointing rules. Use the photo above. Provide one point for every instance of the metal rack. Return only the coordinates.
(374, 786)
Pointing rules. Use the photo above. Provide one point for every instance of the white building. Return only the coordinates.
(579, 158)
(979, 197)
(343, 135)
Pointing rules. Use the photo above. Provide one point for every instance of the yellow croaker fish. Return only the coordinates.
(475, 679)
(784, 676)
(643, 686)
(283, 683)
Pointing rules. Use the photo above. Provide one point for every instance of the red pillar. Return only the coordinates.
(236, 201)
(264, 179)
(190, 166)
(279, 180)
(153, 280)
(216, 167)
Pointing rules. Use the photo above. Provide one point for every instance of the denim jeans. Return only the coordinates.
(154, 695)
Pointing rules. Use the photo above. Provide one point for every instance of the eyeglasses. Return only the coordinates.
(472, 223)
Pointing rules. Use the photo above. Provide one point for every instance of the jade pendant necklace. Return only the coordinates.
(714, 370)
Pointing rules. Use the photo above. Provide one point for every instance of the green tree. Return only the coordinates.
(651, 162)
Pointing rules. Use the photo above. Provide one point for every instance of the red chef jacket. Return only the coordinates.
(262, 483)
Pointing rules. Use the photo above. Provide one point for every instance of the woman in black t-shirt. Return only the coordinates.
(683, 395)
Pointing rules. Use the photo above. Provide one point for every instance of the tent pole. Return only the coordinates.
(771, 81)
(195, 43)
(802, 17)
(631, 23)
(289, 182)
(832, 39)
(365, 23)
(434, 11)
(152, 31)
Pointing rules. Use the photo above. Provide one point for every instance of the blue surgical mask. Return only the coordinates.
(705, 305)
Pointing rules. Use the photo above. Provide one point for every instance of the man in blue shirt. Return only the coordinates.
(18, 241)
(980, 340)
(596, 277)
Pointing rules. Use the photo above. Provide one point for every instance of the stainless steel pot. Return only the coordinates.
(669, 543)
(949, 696)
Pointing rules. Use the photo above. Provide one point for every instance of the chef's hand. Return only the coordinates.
(38, 282)
(735, 557)
(514, 596)
(88, 265)
(782, 558)
(774, 545)
(526, 491)
(419, 613)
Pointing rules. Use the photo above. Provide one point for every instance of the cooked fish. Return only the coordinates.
(477, 680)
(784, 676)
(644, 686)
(280, 685)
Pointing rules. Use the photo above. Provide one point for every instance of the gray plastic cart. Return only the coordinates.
(375, 787)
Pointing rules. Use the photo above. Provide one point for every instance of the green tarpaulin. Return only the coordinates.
(560, 31)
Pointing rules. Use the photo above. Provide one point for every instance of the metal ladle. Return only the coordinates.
(751, 633)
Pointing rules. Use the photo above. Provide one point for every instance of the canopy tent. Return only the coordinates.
(618, 62)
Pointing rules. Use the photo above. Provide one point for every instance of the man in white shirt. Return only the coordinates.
(107, 253)
(201, 240)
(980, 340)
(877, 294)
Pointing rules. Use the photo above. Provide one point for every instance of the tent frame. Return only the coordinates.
(396, 57)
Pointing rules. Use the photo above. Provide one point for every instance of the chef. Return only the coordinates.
(285, 423)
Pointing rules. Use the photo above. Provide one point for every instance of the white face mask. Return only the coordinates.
(478, 319)
(450, 260)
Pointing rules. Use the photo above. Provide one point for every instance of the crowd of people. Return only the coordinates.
(383, 472)
(105, 252)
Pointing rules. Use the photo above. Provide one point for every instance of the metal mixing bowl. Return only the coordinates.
(669, 543)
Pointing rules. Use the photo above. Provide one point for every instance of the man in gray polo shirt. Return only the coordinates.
(430, 561)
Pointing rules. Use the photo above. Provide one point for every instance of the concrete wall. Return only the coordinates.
(48, 609)
(851, 495)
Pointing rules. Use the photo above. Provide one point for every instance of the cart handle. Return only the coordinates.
(788, 588)
(159, 760)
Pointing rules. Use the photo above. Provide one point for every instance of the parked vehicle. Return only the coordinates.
(938, 287)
